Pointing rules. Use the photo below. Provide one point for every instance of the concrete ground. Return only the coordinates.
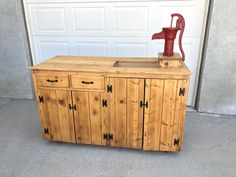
(209, 150)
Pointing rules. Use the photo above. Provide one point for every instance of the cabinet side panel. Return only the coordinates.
(183, 108)
(152, 118)
(82, 118)
(65, 116)
(135, 92)
(95, 117)
(168, 111)
(175, 130)
(120, 111)
(50, 111)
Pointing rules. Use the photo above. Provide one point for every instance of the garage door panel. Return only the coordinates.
(112, 28)
(130, 19)
(90, 19)
(193, 12)
(48, 19)
(91, 48)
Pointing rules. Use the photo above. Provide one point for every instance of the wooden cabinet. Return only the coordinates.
(122, 110)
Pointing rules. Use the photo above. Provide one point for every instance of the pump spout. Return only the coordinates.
(160, 35)
(169, 35)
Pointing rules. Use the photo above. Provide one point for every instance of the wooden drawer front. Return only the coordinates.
(84, 82)
(53, 80)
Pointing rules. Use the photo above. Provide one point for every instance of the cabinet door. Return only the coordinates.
(89, 125)
(164, 118)
(57, 118)
(126, 115)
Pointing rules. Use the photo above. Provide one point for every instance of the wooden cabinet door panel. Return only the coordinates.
(152, 117)
(168, 114)
(183, 108)
(81, 116)
(88, 117)
(135, 94)
(57, 118)
(118, 120)
(126, 115)
(95, 117)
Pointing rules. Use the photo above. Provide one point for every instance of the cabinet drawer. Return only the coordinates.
(88, 82)
(53, 80)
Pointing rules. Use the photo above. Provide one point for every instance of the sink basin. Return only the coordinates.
(135, 64)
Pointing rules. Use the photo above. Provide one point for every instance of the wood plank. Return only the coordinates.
(147, 143)
(168, 114)
(152, 125)
(175, 131)
(120, 99)
(82, 117)
(183, 112)
(135, 94)
(106, 65)
(65, 116)
(95, 117)
(105, 123)
(111, 112)
(105, 117)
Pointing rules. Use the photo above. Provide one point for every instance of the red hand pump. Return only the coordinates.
(169, 34)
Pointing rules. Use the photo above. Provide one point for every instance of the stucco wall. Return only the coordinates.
(15, 81)
(217, 93)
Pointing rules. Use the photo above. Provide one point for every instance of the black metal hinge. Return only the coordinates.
(108, 136)
(72, 107)
(109, 88)
(104, 103)
(46, 131)
(176, 142)
(181, 91)
(41, 99)
(144, 104)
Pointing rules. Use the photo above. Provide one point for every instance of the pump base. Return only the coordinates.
(174, 61)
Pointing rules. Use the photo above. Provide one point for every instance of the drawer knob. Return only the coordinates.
(52, 80)
(85, 82)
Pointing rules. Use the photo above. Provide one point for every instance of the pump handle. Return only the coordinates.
(180, 24)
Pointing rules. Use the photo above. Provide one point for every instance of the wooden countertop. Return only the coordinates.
(105, 65)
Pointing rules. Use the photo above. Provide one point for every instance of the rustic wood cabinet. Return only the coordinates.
(92, 100)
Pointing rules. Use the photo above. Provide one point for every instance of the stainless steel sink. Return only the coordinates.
(135, 64)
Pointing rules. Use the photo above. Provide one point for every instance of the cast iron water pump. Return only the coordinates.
(169, 35)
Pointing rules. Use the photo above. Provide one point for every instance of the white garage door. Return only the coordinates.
(112, 28)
